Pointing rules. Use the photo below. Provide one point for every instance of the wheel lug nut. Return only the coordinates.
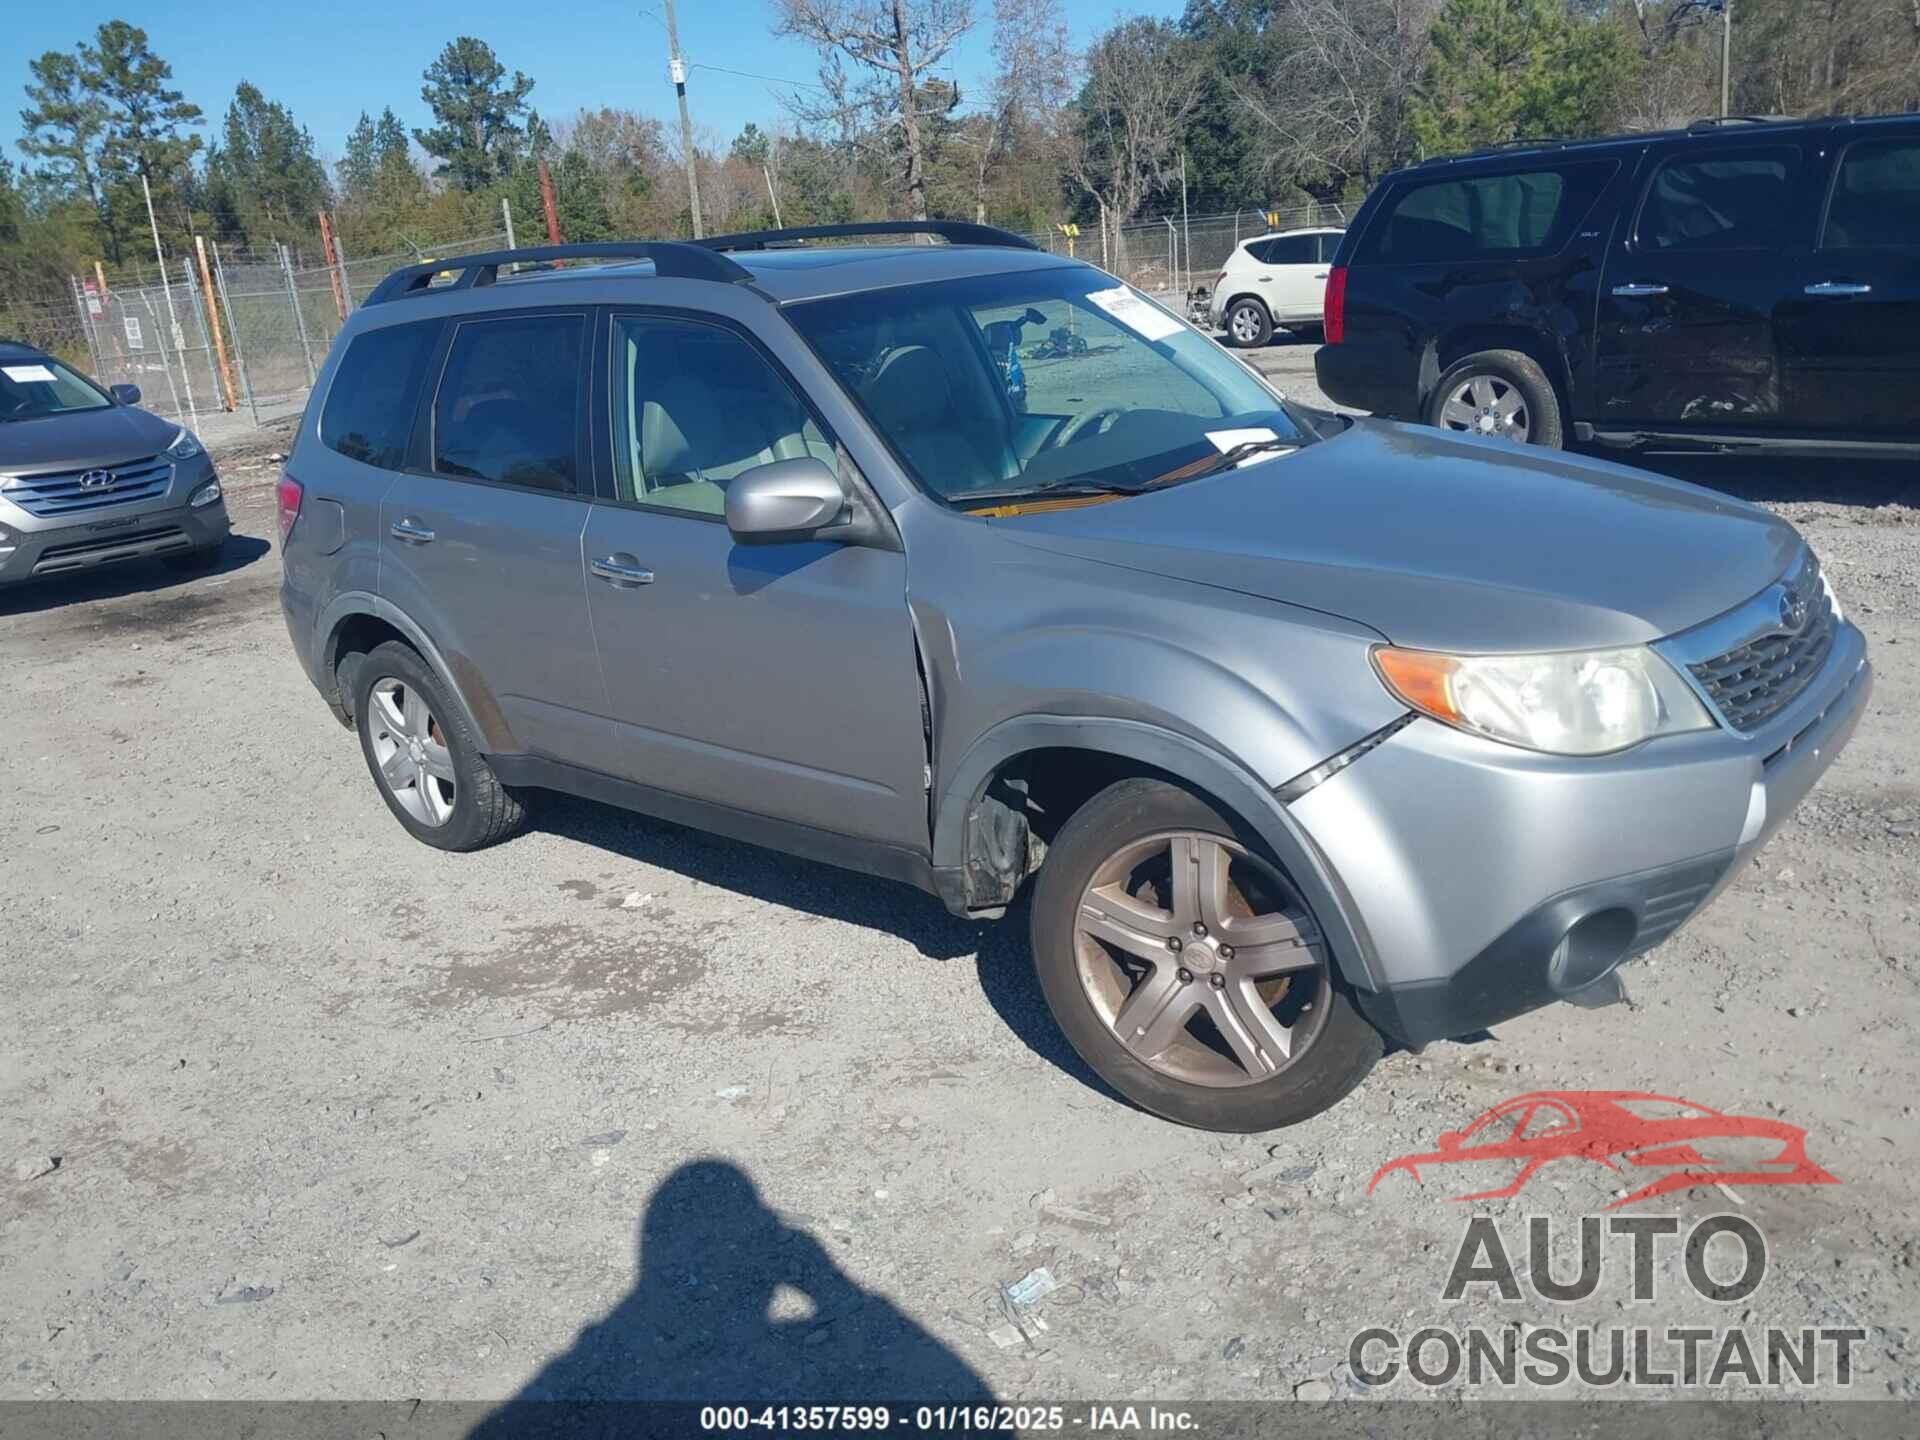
(1175, 944)
(1226, 952)
(1219, 982)
(1199, 928)
(1186, 975)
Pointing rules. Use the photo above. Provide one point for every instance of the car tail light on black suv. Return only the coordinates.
(1334, 318)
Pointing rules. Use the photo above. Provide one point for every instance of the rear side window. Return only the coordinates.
(1293, 250)
(1727, 202)
(1876, 197)
(1529, 212)
(371, 403)
(509, 403)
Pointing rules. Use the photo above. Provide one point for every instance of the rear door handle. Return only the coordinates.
(1639, 289)
(411, 531)
(621, 570)
(1320, 275)
(1839, 287)
(1264, 279)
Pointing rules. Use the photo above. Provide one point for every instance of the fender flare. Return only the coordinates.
(349, 603)
(1185, 758)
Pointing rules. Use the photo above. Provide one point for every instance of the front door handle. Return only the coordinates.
(621, 570)
(1321, 275)
(1839, 287)
(411, 531)
(1264, 279)
(1638, 290)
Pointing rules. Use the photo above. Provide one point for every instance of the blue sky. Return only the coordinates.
(328, 61)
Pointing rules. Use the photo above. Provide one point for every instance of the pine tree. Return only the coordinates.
(480, 130)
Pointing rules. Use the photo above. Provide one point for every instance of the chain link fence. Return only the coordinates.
(234, 341)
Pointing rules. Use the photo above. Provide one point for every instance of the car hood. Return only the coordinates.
(81, 439)
(1445, 542)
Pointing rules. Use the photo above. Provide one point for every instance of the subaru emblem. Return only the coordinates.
(1793, 611)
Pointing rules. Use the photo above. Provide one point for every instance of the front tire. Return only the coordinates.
(424, 760)
(1184, 967)
(1500, 393)
(1248, 325)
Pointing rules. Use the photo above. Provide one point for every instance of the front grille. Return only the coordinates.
(143, 542)
(65, 492)
(1752, 683)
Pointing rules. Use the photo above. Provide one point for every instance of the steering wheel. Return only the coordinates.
(1095, 422)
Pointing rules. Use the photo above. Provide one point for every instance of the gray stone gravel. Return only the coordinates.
(340, 1116)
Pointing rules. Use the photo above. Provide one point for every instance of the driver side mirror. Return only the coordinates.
(786, 500)
(125, 394)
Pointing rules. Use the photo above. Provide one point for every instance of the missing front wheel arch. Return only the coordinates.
(1000, 845)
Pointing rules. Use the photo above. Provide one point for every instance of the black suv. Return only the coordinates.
(1740, 282)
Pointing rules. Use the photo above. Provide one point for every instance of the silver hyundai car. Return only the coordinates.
(88, 478)
(968, 566)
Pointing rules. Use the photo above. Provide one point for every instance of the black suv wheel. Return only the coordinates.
(1498, 392)
(1185, 968)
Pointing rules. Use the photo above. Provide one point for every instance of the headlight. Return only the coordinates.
(185, 446)
(1571, 703)
(1833, 598)
(205, 495)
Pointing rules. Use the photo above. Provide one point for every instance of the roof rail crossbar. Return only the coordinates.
(671, 258)
(1714, 122)
(954, 232)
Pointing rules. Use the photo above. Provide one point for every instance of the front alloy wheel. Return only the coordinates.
(1200, 959)
(1187, 970)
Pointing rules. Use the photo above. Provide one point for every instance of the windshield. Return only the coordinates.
(1003, 386)
(41, 386)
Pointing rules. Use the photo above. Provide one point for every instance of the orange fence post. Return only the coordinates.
(333, 270)
(213, 324)
(546, 199)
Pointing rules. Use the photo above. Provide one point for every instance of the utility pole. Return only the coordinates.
(1726, 56)
(677, 69)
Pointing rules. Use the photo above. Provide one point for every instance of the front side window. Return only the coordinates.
(1876, 197)
(1529, 212)
(370, 405)
(508, 407)
(39, 386)
(1729, 202)
(694, 406)
(1003, 386)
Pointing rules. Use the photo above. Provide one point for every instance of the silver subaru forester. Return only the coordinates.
(967, 565)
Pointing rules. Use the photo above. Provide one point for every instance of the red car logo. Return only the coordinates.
(1617, 1129)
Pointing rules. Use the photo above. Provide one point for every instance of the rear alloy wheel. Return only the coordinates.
(1187, 970)
(426, 762)
(1248, 324)
(1498, 393)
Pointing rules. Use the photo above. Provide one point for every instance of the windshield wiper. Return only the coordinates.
(1059, 489)
(1225, 460)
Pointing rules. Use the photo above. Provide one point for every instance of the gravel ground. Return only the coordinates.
(619, 1109)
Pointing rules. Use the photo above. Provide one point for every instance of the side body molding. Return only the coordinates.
(463, 682)
(1184, 758)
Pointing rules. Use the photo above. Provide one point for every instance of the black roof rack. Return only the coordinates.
(1714, 122)
(954, 232)
(673, 258)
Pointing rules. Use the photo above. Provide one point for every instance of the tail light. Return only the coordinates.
(1333, 321)
(290, 494)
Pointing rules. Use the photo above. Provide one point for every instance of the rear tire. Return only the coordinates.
(1288, 1043)
(1501, 393)
(1248, 325)
(425, 761)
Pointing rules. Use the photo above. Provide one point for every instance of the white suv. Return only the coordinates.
(1273, 280)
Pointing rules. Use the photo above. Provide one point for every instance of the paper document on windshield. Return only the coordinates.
(1135, 312)
(1225, 440)
(27, 374)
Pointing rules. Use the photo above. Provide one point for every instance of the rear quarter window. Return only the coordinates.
(1513, 215)
(370, 405)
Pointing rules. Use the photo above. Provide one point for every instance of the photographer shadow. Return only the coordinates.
(735, 1306)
